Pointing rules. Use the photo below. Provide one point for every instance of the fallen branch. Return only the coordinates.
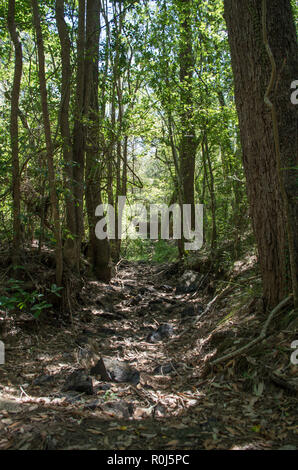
(256, 340)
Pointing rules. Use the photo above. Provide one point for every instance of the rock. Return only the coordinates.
(167, 288)
(170, 270)
(188, 283)
(164, 369)
(119, 409)
(192, 310)
(112, 370)
(164, 331)
(104, 387)
(42, 379)
(79, 382)
(100, 369)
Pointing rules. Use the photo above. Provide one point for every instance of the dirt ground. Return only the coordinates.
(172, 398)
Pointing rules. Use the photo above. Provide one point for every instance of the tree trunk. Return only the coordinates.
(252, 72)
(79, 129)
(14, 132)
(210, 184)
(70, 249)
(99, 249)
(49, 144)
(188, 144)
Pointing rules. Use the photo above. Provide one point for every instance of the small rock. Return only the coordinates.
(164, 331)
(167, 288)
(192, 310)
(145, 290)
(104, 387)
(42, 379)
(112, 370)
(120, 409)
(188, 283)
(79, 382)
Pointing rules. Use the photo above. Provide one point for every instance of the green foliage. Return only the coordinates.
(156, 251)
(109, 396)
(139, 78)
(164, 251)
(16, 299)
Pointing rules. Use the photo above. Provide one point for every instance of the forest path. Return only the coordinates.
(158, 393)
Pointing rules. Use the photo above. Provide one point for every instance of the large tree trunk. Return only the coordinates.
(49, 144)
(99, 250)
(252, 72)
(14, 132)
(71, 251)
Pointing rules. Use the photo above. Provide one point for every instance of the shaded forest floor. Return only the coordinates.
(160, 391)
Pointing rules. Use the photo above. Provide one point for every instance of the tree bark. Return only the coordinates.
(99, 249)
(210, 184)
(70, 250)
(252, 72)
(49, 144)
(14, 132)
(188, 143)
(79, 128)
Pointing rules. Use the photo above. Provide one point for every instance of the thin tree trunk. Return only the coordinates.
(79, 128)
(70, 251)
(210, 183)
(49, 144)
(14, 132)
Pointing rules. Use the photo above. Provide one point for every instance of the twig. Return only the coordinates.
(23, 392)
